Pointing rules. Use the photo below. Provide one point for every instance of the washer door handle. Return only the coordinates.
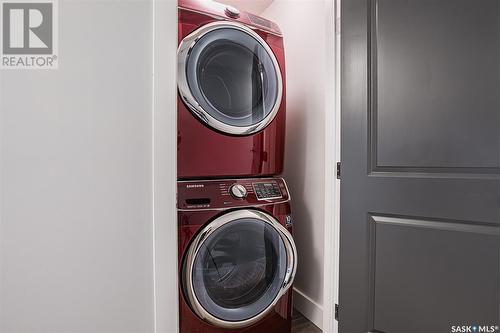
(291, 252)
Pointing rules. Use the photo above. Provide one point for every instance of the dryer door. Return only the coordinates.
(229, 78)
(238, 267)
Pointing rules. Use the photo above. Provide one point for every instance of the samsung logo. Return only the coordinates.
(195, 185)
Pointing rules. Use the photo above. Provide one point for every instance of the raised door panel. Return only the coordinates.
(435, 78)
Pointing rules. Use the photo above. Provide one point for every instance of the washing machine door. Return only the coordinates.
(229, 78)
(238, 267)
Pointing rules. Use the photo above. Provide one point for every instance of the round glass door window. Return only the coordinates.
(229, 78)
(236, 274)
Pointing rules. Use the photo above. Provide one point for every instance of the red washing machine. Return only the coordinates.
(231, 101)
(237, 258)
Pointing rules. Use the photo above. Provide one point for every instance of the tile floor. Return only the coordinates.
(301, 324)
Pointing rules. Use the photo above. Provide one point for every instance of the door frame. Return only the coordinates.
(332, 184)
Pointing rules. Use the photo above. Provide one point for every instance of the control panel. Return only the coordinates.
(267, 190)
(228, 193)
(212, 8)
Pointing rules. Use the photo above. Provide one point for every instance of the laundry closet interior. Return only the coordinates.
(256, 150)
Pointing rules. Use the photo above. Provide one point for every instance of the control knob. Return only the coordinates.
(232, 12)
(238, 191)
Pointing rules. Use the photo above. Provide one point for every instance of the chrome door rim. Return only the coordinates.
(183, 52)
(198, 241)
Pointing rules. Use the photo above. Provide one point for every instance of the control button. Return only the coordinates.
(238, 191)
(232, 12)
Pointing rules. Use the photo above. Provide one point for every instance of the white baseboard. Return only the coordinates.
(309, 308)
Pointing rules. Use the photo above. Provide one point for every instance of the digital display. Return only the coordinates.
(267, 191)
(259, 21)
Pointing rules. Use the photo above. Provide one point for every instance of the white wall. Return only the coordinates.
(77, 220)
(308, 33)
(165, 165)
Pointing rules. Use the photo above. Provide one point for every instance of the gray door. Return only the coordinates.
(420, 183)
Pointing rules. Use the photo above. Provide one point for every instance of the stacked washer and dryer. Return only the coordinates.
(237, 258)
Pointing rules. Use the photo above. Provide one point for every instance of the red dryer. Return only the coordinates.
(231, 101)
(237, 258)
